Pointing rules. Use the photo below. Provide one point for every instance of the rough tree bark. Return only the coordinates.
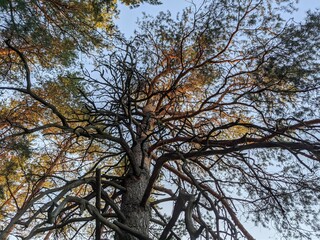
(137, 216)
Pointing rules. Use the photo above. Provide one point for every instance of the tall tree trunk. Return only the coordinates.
(137, 216)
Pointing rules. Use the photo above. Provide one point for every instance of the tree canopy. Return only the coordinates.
(213, 114)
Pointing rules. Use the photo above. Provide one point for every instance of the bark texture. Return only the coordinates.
(137, 216)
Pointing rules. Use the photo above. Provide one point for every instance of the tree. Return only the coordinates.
(53, 32)
(215, 113)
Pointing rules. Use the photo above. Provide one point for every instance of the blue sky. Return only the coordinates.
(128, 17)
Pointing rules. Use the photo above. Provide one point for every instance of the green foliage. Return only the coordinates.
(136, 3)
(53, 32)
